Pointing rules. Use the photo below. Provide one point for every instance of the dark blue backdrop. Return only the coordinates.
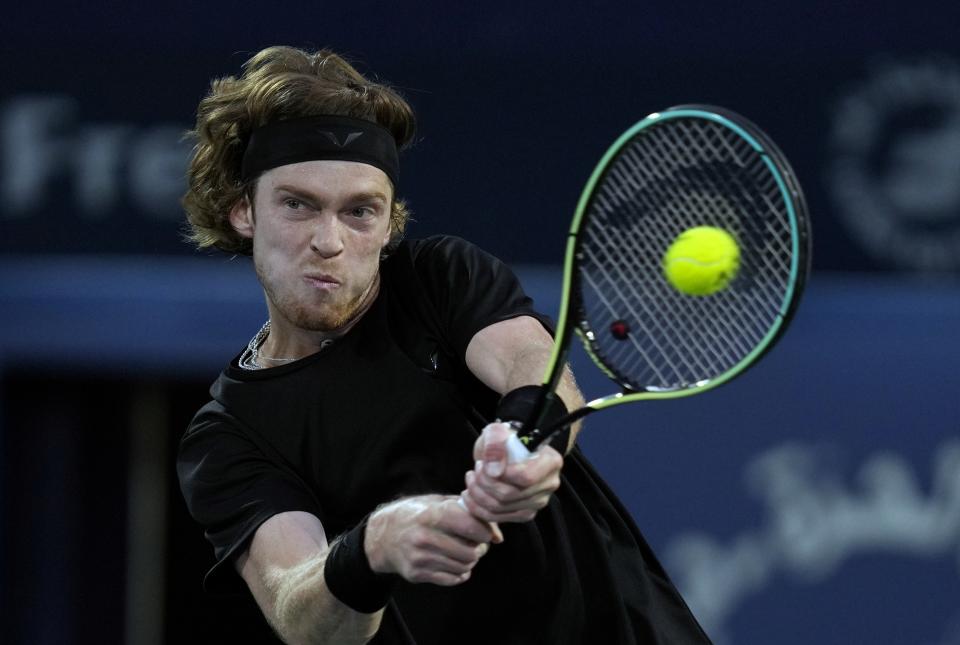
(817, 499)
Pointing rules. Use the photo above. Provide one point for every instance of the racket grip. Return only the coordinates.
(516, 451)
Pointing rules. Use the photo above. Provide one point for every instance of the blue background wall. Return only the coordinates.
(816, 499)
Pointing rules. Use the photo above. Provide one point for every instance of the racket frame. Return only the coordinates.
(571, 309)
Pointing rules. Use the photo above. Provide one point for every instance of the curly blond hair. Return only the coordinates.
(278, 83)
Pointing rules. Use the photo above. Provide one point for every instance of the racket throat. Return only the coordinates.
(537, 436)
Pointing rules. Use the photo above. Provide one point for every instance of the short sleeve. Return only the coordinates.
(231, 487)
(470, 288)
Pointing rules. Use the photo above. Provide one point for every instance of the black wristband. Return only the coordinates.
(349, 577)
(517, 405)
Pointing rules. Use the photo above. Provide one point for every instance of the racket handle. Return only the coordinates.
(516, 452)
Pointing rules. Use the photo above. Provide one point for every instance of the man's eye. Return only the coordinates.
(294, 204)
(361, 211)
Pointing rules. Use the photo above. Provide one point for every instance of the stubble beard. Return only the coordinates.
(328, 318)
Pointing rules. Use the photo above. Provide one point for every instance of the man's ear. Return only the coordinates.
(241, 218)
(386, 240)
(392, 227)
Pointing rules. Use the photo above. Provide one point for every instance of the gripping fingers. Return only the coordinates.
(427, 539)
(479, 504)
(443, 567)
(516, 495)
(523, 487)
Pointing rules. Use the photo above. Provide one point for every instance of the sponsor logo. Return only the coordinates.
(51, 159)
(814, 522)
(894, 167)
(351, 136)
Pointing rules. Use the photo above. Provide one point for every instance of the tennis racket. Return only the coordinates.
(688, 166)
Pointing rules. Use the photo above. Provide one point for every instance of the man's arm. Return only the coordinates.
(504, 356)
(429, 539)
(515, 352)
(283, 567)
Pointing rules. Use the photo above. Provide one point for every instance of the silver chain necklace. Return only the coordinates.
(250, 359)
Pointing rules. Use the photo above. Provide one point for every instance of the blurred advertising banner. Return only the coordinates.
(875, 143)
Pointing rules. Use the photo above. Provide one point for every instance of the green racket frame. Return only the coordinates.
(570, 316)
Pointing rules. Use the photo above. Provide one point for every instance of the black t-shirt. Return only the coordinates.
(391, 410)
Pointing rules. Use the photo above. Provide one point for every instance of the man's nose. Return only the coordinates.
(327, 239)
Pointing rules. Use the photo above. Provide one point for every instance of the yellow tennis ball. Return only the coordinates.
(701, 261)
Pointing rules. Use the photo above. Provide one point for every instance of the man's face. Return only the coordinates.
(319, 229)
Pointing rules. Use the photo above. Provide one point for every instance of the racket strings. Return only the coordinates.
(626, 267)
(617, 281)
(676, 209)
(668, 178)
(658, 334)
(641, 352)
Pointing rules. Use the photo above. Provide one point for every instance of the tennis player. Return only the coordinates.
(346, 469)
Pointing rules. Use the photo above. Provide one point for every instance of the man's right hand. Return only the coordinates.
(430, 538)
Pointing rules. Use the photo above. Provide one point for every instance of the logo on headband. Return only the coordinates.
(353, 136)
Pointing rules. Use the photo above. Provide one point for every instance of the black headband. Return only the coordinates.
(320, 137)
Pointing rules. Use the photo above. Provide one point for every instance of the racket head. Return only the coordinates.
(691, 165)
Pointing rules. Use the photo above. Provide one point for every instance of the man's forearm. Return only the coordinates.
(306, 612)
(514, 353)
(528, 369)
